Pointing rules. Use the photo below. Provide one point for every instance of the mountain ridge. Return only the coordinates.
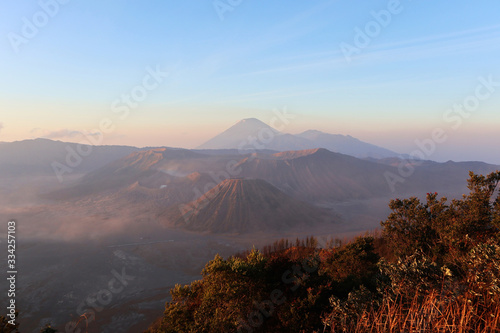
(251, 134)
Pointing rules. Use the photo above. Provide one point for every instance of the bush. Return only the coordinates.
(434, 268)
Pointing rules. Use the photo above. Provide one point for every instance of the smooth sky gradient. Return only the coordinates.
(260, 57)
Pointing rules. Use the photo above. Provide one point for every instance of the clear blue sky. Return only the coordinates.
(263, 55)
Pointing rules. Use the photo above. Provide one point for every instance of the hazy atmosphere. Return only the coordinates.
(164, 164)
(218, 63)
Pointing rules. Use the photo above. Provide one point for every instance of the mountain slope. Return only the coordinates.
(253, 134)
(151, 168)
(243, 205)
(237, 134)
(346, 144)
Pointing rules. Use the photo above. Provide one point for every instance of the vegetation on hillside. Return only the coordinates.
(6, 327)
(435, 267)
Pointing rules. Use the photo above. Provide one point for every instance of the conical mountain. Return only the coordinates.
(244, 205)
(253, 134)
(238, 133)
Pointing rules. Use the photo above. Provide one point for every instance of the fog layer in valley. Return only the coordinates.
(111, 237)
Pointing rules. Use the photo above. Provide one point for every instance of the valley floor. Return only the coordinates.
(66, 265)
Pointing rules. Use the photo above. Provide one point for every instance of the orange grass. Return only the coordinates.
(429, 313)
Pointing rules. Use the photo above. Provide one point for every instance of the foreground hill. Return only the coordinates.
(244, 205)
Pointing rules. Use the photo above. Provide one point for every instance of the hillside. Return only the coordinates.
(346, 144)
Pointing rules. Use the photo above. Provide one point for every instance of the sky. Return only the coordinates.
(176, 73)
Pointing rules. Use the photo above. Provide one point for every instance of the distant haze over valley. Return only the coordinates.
(162, 212)
(139, 140)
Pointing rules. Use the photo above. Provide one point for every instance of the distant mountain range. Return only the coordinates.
(39, 156)
(251, 134)
(175, 183)
(315, 175)
(229, 187)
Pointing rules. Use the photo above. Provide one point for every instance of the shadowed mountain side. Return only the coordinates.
(319, 175)
(242, 206)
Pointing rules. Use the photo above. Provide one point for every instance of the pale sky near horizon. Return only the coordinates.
(386, 72)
